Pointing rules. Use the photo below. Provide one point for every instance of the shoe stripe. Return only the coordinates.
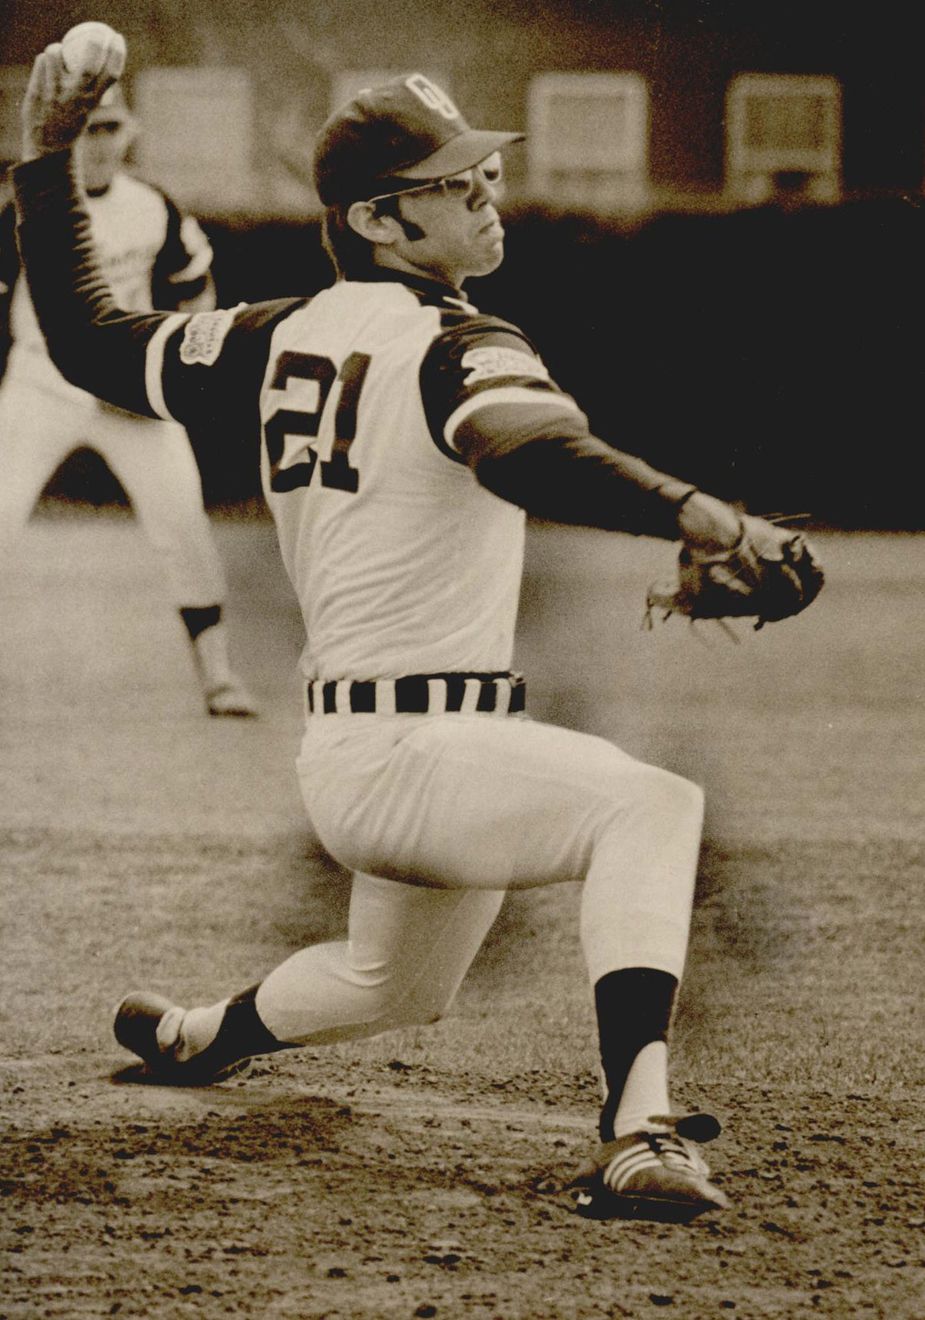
(619, 1171)
(627, 1162)
(631, 1155)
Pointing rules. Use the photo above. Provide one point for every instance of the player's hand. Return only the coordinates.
(57, 102)
(770, 573)
(708, 524)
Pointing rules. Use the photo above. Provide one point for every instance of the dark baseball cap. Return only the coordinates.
(407, 130)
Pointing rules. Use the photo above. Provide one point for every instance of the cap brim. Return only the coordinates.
(468, 148)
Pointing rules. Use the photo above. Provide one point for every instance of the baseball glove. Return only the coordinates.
(770, 573)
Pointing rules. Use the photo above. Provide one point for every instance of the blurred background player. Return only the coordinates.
(154, 257)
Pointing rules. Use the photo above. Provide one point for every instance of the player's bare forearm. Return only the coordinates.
(708, 523)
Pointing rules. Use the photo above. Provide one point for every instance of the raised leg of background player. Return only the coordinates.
(466, 805)
(159, 474)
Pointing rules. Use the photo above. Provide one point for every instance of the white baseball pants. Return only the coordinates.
(438, 815)
(153, 460)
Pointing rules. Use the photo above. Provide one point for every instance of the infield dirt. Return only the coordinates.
(421, 1173)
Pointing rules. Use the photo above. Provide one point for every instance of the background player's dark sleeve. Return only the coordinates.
(529, 443)
(181, 270)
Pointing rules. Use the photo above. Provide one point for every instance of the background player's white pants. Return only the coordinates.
(153, 461)
(438, 815)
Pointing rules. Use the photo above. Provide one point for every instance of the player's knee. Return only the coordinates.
(667, 796)
(686, 796)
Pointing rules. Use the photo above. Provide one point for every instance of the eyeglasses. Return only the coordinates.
(459, 186)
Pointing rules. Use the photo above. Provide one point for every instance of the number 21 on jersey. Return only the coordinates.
(293, 464)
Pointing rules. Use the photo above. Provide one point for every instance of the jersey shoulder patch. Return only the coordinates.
(494, 360)
(204, 334)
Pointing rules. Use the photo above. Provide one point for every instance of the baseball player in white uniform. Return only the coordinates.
(402, 437)
(152, 255)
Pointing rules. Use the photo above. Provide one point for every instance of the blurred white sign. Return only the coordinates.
(783, 134)
(588, 138)
(197, 134)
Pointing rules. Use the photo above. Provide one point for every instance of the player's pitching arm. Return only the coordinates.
(144, 362)
(492, 403)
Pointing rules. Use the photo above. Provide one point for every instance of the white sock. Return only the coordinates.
(210, 649)
(646, 1091)
(198, 1029)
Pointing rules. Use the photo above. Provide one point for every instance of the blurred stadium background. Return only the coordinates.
(714, 227)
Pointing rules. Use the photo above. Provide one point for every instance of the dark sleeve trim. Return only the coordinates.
(499, 428)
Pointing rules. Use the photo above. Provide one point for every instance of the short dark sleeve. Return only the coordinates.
(477, 361)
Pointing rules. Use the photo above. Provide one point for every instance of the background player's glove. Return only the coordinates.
(770, 573)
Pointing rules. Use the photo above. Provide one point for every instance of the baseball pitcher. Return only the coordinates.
(402, 438)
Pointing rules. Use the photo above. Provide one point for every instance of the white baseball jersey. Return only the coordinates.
(402, 562)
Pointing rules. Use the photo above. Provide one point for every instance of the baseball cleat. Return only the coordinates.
(149, 1025)
(655, 1173)
(232, 699)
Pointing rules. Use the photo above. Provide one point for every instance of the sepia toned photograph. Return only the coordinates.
(462, 749)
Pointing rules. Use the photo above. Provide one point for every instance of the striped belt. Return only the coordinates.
(418, 694)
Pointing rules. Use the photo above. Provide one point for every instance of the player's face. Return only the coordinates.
(462, 233)
(101, 150)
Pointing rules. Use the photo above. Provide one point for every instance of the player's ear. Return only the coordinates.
(365, 220)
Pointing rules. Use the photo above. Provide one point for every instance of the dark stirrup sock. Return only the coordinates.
(198, 618)
(633, 1008)
(242, 1034)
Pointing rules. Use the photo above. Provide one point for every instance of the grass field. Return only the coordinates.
(418, 1174)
